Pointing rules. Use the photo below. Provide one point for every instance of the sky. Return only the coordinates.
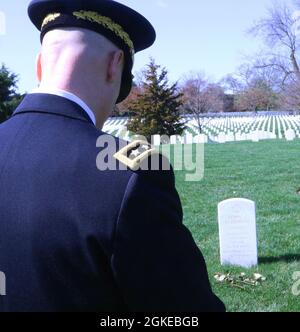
(192, 35)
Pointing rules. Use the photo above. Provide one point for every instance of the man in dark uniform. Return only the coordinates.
(72, 237)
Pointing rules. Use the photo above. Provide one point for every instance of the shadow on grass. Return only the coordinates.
(283, 258)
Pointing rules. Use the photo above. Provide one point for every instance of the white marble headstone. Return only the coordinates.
(222, 138)
(173, 140)
(255, 136)
(237, 232)
(200, 139)
(290, 135)
(156, 140)
(188, 139)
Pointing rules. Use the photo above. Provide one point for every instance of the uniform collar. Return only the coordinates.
(69, 96)
(52, 104)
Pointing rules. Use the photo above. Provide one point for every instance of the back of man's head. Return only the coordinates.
(83, 62)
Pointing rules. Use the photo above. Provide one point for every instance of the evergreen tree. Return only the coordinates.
(9, 98)
(156, 110)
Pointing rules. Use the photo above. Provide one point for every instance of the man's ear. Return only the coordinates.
(115, 66)
(39, 67)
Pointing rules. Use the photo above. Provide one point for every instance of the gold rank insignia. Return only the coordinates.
(135, 153)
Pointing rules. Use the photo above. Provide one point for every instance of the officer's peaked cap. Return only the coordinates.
(123, 26)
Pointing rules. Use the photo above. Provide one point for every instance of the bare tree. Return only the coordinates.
(215, 95)
(289, 97)
(253, 88)
(256, 97)
(279, 30)
(200, 97)
(232, 83)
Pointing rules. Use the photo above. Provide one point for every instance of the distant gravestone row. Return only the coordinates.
(223, 129)
(176, 139)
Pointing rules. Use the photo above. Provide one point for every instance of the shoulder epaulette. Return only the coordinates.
(135, 153)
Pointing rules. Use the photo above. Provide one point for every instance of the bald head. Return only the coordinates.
(82, 62)
(75, 43)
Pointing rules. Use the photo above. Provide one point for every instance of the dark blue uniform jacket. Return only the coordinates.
(73, 238)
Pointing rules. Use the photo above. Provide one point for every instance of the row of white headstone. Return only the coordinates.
(258, 128)
(223, 129)
(186, 139)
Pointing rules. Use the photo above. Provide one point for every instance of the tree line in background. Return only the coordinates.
(266, 81)
(9, 97)
(269, 80)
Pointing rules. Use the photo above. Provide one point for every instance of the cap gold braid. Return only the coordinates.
(50, 18)
(94, 17)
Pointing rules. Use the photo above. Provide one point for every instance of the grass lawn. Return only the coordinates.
(268, 173)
